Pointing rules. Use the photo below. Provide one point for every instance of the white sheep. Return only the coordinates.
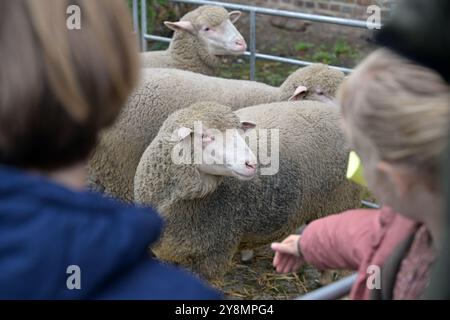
(163, 91)
(200, 37)
(210, 213)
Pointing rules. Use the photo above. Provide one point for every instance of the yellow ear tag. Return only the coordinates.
(355, 169)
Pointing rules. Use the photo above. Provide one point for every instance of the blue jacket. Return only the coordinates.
(46, 228)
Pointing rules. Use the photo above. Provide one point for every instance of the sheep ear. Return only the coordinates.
(234, 16)
(183, 133)
(246, 125)
(180, 26)
(299, 93)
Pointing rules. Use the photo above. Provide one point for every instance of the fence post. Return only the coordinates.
(143, 25)
(135, 17)
(252, 44)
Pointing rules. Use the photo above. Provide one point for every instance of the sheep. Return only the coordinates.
(210, 215)
(162, 91)
(200, 37)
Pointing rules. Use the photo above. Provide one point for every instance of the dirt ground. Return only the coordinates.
(258, 280)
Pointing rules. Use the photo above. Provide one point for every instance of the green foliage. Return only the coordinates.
(303, 46)
(341, 47)
(272, 73)
(324, 57)
(275, 73)
(336, 53)
(151, 14)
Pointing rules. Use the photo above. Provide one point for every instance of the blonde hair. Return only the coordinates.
(398, 110)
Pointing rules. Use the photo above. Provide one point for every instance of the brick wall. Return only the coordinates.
(355, 9)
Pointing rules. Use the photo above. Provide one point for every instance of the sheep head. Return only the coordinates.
(210, 137)
(214, 29)
(316, 82)
(195, 148)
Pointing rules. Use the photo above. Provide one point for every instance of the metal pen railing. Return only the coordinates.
(135, 16)
(252, 11)
(333, 291)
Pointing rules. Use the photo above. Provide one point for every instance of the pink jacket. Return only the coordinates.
(354, 240)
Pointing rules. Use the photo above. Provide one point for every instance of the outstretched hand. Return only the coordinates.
(287, 257)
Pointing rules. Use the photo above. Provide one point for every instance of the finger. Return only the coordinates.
(292, 238)
(280, 265)
(289, 265)
(283, 260)
(275, 245)
(287, 248)
(286, 262)
(276, 259)
(297, 265)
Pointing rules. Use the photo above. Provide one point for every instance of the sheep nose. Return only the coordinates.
(241, 43)
(250, 165)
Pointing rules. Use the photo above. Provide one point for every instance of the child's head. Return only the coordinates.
(59, 86)
(396, 116)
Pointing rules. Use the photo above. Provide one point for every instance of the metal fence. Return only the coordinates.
(333, 291)
(252, 11)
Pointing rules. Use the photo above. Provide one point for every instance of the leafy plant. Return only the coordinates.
(151, 13)
(341, 47)
(303, 46)
(324, 57)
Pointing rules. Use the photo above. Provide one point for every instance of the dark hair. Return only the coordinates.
(60, 87)
(419, 30)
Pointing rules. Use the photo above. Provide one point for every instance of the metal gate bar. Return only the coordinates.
(252, 10)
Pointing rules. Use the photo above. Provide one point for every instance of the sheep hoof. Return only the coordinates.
(247, 256)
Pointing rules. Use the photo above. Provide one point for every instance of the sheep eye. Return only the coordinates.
(206, 29)
(319, 92)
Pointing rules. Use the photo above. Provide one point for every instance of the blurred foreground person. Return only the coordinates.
(396, 116)
(59, 87)
(420, 30)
